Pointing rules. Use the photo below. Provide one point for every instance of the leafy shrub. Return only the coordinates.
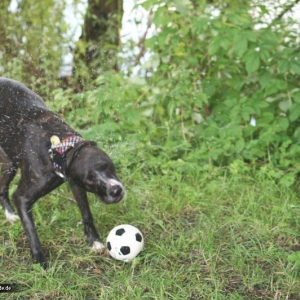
(32, 42)
(211, 69)
(209, 75)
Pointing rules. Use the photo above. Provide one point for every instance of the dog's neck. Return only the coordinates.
(58, 153)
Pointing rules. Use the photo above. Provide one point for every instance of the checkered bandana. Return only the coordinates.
(59, 151)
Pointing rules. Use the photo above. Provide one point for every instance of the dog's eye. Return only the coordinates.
(90, 182)
(90, 179)
(103, 167)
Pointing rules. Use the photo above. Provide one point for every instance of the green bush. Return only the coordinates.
(33, 38)
(210, 70)
(209, 74)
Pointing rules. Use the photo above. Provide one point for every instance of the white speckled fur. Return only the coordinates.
(10, 217)
(114, 182)
(97, 246)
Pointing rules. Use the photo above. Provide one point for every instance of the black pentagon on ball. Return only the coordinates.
(138, 237)
(108, 246)
(125, 250)
(120, 231)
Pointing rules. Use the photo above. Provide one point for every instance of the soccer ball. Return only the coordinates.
(124, 242)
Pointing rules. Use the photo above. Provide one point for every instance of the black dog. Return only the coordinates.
(48, 152)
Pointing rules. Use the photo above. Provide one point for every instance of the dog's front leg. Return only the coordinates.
(90, 231)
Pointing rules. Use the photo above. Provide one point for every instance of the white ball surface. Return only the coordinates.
(124, 242)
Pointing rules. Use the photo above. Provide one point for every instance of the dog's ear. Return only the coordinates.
(91, 143)
(77, 149)
(80, 145)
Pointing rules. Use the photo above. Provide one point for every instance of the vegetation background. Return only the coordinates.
(200, 113)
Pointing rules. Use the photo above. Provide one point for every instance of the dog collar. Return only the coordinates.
(58, 153)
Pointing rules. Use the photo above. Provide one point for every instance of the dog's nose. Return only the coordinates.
(116, 191)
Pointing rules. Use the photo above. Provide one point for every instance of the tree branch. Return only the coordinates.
(141, 42)
(287, 9)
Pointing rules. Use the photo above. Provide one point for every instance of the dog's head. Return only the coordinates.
(92, 169)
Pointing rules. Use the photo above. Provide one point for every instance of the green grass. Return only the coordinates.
(208, 236)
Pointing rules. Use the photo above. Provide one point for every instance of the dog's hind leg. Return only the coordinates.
(8, 172)
(31, 187)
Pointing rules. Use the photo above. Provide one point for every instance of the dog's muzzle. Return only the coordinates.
(115, 191)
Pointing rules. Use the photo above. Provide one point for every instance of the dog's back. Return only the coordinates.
(16, 99)
(25, 116)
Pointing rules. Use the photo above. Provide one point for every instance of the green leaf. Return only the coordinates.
(294, 112)
(263, 104)
(240, 44)
(285, 105)
(283, 123)
(295, 258)
(274, 86)
(183, 6)
(264, 78)
(283, 65)
(233, 130)
(225, 43)
(200, 99)
(137, 80)
(264, 55)
(252, 63)
(287, 180)
(295, 67)
(240, 145)
(251, 35)
(297, 133)
(214, 46)
(266, 118)
(296, 97)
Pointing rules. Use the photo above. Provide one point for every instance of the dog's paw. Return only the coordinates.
(97, 246)
(11, 217)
